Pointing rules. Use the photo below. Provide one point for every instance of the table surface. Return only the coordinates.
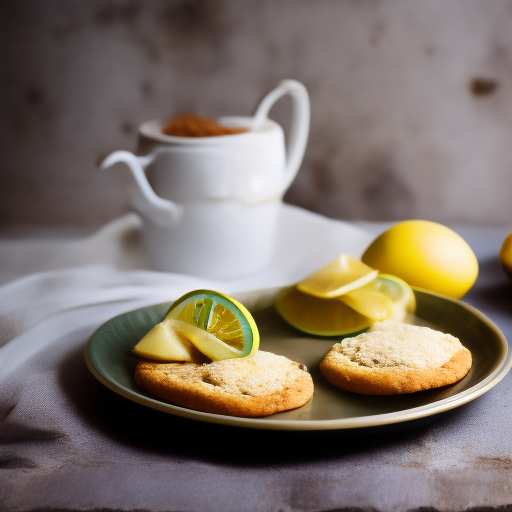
(116, 455)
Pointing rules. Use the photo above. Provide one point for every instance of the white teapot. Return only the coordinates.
(210, 205)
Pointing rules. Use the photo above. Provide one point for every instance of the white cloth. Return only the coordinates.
(110, 267)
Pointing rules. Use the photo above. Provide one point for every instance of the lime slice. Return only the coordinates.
(341, 276)
(323, 317)
(221, 316)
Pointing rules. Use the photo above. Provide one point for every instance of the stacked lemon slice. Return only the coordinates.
(343, 298)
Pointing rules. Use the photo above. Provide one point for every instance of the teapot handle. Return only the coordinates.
(144, 199)
(299, 129)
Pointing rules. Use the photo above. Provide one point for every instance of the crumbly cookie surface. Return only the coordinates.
(259, 385)
(396, 358)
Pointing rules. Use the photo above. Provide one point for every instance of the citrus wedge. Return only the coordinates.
(208, 344)
(369, 301)
(174, 340)
(385, 297)
(164, 343)
(401, 295)
(341, 276)
(222, 317)
(323, 317)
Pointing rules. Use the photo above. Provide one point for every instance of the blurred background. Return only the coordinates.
(411, 102)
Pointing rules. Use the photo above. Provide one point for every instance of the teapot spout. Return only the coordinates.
(144, 199)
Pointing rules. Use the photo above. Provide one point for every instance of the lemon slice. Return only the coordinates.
(341, 276)
(401, 295)
(174, 340)
(369, 301)
(206, 343)
(164, 343)
(221, 316)
(323, 317)
(385, 297)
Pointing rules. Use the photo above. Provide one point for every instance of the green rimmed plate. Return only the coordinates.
(108, 356)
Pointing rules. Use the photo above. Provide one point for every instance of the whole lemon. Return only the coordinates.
(506, 255)
(425, 254)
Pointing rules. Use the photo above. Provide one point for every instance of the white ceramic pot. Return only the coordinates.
(210, 205)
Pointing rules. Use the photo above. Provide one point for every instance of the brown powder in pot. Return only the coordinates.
(189, 125)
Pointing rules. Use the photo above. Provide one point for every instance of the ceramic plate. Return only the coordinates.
(109, 358)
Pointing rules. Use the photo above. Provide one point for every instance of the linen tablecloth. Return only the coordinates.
(68, 443)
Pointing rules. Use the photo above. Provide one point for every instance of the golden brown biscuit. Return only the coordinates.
(259, 385)
(396, 358)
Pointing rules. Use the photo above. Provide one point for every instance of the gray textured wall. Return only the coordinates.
(411, 101)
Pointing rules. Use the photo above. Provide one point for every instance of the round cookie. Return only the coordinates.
(396, 358)
(259, 385)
